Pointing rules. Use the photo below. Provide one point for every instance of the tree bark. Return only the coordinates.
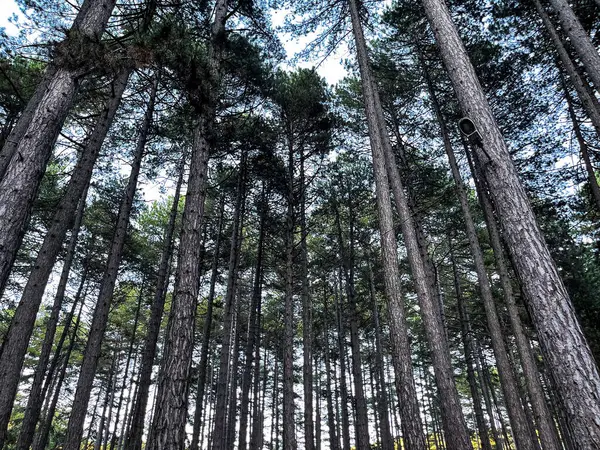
(565, 349)
(23, 175)
(15, 343)
(102, 309)
(138, 411)
(168, 429)
(579, 38)
(409, 409)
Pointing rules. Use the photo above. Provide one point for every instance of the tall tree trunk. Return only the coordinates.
(524, 436)
(35, 400)
(467, 341)
(289, 419)
(387, 442)
(588, 99)
(23, 175)
(565, 349)
(409, 409)
(138, 411)
(581, 41)
(253, 329)
(307, 352)
(173, 390)
(16, 340)
(44, 430)
(230, 308)
(102, 309)
(206, 332)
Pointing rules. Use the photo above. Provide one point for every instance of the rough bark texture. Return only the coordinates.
(101, 311)
(565, 349)
(23, 322)
(334, 441)
(168, 429)
(580, 40)
(409, 406)
(23, 175)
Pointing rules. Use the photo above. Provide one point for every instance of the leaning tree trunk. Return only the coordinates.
(565, 349)
(588, 99)
(23, 322)
(522, 433)
(173, 390)
(24, 172)
(409, 406)
(138, 411)
(9, 146)
(230, 311)
(105, 295)
(581, 41)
